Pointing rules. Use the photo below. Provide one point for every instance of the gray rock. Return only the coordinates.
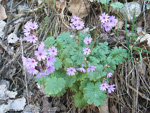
(129, 9)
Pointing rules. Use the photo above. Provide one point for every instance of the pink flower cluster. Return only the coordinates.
(76, 23)
(87, 40)
(105, 86)
(42, 54)
(71, 71)
(107, 22)
(29, 29)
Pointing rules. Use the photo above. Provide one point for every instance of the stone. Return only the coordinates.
(129, 9)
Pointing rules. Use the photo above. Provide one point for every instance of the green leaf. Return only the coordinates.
(117, 5)
(62, 74)
(75, 87)
(104, 1)
(54, 86)
(65, 37)
(68, 63)
(78, 58)
(58, 64)
(103, 48)
(79, 101)
(97, 74)
(49, 42)
(42, 80)
(59, 93)
(93, 94)
(81, 76)
(118, 55)
(111, 64)
(84, 83)
(93, 60)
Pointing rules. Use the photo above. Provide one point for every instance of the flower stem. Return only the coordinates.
(95, 35)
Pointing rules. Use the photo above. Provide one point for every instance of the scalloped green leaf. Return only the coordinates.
(97, 74)
(117, 5)
(75, 87)
(79, 101)
(84, 83)
(78, 57)
(53, 86)
(42, 80)
(58, 64)
(81, 76)
(59, 93)
(49, 42)
(93, 94)
(62, 74)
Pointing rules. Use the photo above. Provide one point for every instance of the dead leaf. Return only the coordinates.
(120, 24)
(139, 30)
(145, 37)
(60, 5)
(3, 15)
(141, 70)
(79, 8)
(113, 109)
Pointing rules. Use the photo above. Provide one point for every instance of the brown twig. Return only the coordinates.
(9, 51)
(14, 58)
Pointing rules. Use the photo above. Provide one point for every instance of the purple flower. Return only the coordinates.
(76, 23)
(41, 74)
(41, 46)
(31, 63)
(81, 69)
(109, 75)
(26, 32)
(72, 36)
(53, 51)
(104, 86)
(86, 51)
(71, 71)
(104, 17)
(87, 40)
(75, 19)
(50, 60)
(24, 60)
(107, 26)
(72, 26)
(30, 38)
(111, 88)
(79, 25)
(50, 69)
(32, 71)
(33, 39)
(34, 25)
(41, 54)
(28, 25)
(91, 68)
(113, 21)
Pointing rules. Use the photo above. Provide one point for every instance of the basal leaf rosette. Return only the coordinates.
(93, 94)
(53, 86)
